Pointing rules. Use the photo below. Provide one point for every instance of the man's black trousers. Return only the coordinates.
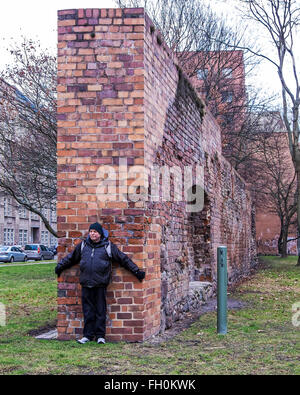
(94, 311)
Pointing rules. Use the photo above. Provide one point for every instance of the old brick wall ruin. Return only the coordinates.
(125, 103)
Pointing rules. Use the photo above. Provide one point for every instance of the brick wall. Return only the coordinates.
(178, 136)
(267, 234)
(124, 102)
(268, 224)
(100, 122)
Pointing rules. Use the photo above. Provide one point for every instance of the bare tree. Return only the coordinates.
(275, 187)
(242, 144)
(280, 20)
(205, 47)
(190, 27)
(28, 129)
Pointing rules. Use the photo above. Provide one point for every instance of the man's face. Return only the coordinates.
(94, 235)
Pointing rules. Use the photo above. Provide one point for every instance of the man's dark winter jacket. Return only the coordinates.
(95, 264)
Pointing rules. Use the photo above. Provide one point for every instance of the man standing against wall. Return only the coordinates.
(95, 255)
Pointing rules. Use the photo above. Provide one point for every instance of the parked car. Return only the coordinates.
(38, 252)
(52, 252)
(20, 247)
(53, 249)
(12, 254)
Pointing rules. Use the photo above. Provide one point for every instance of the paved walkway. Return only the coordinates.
(27, 264)
(51, 335)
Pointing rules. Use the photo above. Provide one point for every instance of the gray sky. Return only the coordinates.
(38, 20)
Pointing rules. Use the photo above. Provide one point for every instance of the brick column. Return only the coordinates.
(101, 122)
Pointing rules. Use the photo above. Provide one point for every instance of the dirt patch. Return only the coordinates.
(190, 317)
(43, 329)
(9, 369)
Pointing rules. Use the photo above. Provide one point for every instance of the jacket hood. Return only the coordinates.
(104, 236)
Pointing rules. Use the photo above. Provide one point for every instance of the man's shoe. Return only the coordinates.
(101, 340)
(83, 340)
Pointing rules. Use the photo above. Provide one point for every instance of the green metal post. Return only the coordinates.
(222, 290)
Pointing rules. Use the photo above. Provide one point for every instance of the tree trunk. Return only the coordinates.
(279, 242)
(298, 246)
(283, 244)
(284, 248)
(297, 168)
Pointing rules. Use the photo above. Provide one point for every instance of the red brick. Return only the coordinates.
(124, 316)
(124, 300)
(135, 323)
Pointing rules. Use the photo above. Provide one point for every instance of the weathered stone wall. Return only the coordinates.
(177, 137)
(123, 101)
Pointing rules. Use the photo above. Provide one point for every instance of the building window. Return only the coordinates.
(23, 237)
(202, 74)
(44, 237)
(34, 216)
(227, 72)
(227, 97)
(53, 215)
(22, 212)
(228, 119)
(8, 238)
(45, 212)
(7, 206)
(53, 240)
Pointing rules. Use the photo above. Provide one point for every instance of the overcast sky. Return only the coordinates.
(38, 20)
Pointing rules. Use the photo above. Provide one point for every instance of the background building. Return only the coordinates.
(219, 77)
(20, 226)
(255, 143)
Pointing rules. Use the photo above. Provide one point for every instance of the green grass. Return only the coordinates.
(261, 338)
(26, 262)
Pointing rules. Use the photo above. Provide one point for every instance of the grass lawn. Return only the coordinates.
(261, 338)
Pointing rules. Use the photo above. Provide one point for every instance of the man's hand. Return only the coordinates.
(58, 270)
(140, 275)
